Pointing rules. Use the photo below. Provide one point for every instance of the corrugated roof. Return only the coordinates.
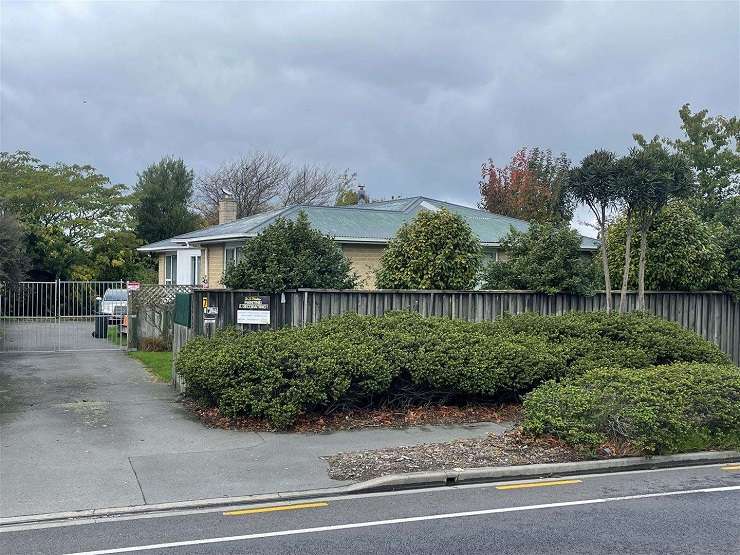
(374, 222)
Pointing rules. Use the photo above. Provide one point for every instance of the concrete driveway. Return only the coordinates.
(91, 430)
(48, 334)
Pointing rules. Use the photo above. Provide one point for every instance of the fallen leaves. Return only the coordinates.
(511, 448)
(366, 418)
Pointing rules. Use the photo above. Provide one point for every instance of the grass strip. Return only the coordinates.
(159, 364)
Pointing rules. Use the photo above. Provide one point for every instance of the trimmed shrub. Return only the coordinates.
(632, 340)
(290, 254)
(546, 258)
(402, 357)
(435, 250)
(664, 409)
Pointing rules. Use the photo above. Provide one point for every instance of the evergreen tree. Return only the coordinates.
(162, 197)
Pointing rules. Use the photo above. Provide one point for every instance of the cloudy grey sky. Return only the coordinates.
(411, 96)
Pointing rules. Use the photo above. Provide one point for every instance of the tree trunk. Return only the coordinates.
(627, 261)
(641, 271)
(605, 262)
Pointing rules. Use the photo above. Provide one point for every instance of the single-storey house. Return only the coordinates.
(363, 230)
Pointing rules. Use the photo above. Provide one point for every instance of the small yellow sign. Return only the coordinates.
(205, 302)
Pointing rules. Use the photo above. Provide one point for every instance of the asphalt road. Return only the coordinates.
(688, 510)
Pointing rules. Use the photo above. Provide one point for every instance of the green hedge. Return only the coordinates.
(665, 409)
(361, 360)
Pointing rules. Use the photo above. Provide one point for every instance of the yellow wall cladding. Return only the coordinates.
(365, 260)
(161, 268)
(215, 257)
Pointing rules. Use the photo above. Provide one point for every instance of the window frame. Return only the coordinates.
(170, 269)
(233, 258)
(194, 269)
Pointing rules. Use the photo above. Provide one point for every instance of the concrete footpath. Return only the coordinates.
(90, 430)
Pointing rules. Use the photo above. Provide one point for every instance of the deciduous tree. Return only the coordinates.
(13, 258)
(74, 199)
(532, 187)
(113, 257)
(711, 145)
(262, 181)
(347, 194)
(310, 184)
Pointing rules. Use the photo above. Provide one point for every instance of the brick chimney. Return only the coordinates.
(226, 209)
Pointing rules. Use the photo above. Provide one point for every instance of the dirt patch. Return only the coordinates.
(90, 413)
(365, 418)
(511, 448)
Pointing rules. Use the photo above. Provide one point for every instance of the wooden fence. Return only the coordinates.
(180, 335)
(713, 315)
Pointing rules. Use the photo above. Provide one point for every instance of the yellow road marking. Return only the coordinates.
(731, 467)
(539, 484)
(293, 507)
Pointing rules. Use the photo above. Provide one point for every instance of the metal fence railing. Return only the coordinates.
(63, 316)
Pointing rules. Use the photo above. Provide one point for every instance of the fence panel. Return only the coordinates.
(713, 315)
(152, 311)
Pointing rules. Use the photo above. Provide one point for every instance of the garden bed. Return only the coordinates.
(439, 415)
(509, 449)
(403, 359)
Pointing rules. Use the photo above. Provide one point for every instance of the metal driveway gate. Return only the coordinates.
(63, 316)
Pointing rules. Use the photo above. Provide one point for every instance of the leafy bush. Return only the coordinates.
(632, 340)
(403, 357)
(436, 250)
(545, 258)
(664, 409)
(288, 255)
(684, 253)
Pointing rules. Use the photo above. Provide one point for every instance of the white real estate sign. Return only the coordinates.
(253, 310)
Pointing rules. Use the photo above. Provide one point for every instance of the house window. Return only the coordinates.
(231, 255)
(195, 269)
(170, 269)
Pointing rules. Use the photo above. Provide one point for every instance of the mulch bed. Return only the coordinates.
(511, 448)
(365, 418)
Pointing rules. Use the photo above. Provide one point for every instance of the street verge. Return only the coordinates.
(404, 481)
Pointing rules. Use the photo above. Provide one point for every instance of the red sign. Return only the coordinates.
(132, 285)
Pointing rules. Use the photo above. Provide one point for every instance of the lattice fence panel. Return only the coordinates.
(160, 296)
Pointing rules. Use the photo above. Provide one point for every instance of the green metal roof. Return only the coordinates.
(377, 222)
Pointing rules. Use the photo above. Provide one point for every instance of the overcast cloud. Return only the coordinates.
(413, 97)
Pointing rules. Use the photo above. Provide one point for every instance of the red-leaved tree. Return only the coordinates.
(531, 187)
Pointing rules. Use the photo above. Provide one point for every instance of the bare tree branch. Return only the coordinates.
(262, 181)
(311, 184)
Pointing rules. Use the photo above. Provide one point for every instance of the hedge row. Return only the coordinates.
(360, 360)
(665, 409)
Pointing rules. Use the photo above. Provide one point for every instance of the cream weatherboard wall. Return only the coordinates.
(365, 259)
(214, 255)
(161, 268)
